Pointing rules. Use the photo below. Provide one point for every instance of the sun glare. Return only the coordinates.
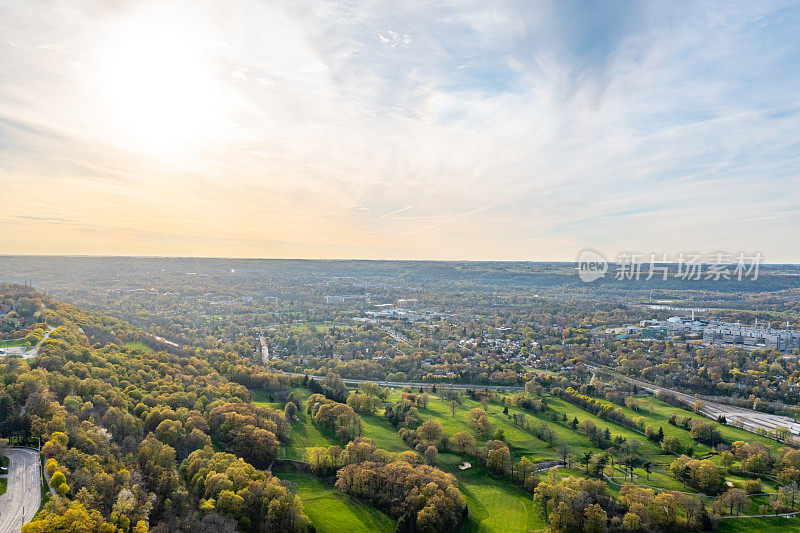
(158, 87)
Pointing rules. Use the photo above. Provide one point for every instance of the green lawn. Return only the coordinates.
(383, 433)
(559, 405)
(305, 433)
(524, 442)
(139, 346)
(758, 525)
(658, 418)
(495, 505)
(332, 511)
(262, 397)
(739, 481)
(519, 440)
(3, 485)
(10, 343)
(663, 411)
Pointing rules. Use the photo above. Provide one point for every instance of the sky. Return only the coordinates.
(399, 130)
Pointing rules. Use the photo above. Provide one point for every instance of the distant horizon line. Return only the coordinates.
(353, 259)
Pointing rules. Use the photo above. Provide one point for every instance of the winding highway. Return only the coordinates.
(24, 493)
(747, 419)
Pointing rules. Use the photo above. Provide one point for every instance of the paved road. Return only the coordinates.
(394, 334)
(739, 416)
(35, 350)
(29, 353)
(24, 490)
(264, 350)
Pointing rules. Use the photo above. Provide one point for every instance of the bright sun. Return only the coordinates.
(157, 83)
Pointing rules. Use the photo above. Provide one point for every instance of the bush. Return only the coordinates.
(58, 479)
(753, 486)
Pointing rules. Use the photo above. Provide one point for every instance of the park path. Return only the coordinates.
(782, 515)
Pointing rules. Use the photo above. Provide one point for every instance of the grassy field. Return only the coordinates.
(382, 433)
(3, 485)
(648, 448)
(497, 504)
(140, 346)
(332, 511)
(662, 411)
(305, 434)
(10, 343)
(263, 397)
(318, 327)
(521, 441)
(758, 525)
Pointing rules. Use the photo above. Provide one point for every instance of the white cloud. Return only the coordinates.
(513, 136)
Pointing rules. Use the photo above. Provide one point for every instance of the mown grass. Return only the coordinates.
(519, 440)
(740, 480)
(305, 433)
(11, 343)
(655, 417)
(3, 485)
(501, 505)
(648, 448)
(383, 433)
(759, 525)
(494, 504)
(662, 411)
(332, 511)
(263, 397)
(139, 346)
